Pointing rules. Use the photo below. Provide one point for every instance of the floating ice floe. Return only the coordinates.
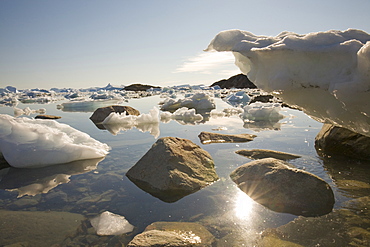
(108, 223)
(326, 74)
(239, 98)
(27, 111)
(87, 105)
(262, 112)
(28, 142)
(116, 122)
(227, 112)
(183, 115)
(198, 101)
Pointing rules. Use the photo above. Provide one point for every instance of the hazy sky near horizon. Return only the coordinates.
(84, 43)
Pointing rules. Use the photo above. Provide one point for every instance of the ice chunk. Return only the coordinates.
(182, 115)
(198, 101)
(239, 98)
(326, 74)
(27, 111)
(28, 142)
(262, 112)
(108, 223)
(116, 122)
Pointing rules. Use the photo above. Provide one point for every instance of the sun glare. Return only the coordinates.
(243, 205)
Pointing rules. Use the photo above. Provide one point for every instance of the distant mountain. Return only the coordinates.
(236, 81)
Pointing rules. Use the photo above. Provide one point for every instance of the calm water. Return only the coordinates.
(221, 207)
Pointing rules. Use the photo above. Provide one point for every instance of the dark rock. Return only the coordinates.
(333, 140)
(47, 117)
(262, 98)
(101, 113)
(174, 234)
(173, 168)
(139, 87)
(236, 81)
(209, 137)
(282, 188)
(262, 153)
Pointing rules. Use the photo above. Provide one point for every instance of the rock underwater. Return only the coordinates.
(173, 168)
(282, 188)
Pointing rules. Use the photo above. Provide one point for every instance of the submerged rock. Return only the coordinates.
(282, 188)
(333, 140)
(209, 137)
(101, 113)
(173, 234)
(173, 168)
(41, 229)
(262, 153)
(343, 227)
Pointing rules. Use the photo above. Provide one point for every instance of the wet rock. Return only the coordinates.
(101, 113)
(282, 188)
(37, 228)
(344, 227)
(262, 98)
(236, 81)
(333, 140)
(209, 137)
(47, 117)
(173, 168)
(173, 234)
(263, 153)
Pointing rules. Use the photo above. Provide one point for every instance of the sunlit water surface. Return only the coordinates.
(221, 207)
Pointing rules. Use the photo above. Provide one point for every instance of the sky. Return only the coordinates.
(87, 43)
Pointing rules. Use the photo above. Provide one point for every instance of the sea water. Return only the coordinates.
(91, 188)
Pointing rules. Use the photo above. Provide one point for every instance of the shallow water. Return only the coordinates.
(89, 188)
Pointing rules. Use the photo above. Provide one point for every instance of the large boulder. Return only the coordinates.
(280, 187)
(173, 168)
(209, 137)
(333, 140)
(236, 81)
(173, 234)
(139, 87)
(101, 113)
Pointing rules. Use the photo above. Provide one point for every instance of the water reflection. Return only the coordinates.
(33, 181)
(243, 205)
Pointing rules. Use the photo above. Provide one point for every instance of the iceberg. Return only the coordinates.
(183, 115)
(326, 74)
(26, 142)
(198, 101)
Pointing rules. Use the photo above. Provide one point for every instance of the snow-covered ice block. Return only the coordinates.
(262, 112)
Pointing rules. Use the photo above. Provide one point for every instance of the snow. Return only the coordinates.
(326, 74)
(108, 223)
(26, 142)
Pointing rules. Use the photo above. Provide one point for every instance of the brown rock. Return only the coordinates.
(209, 137)
(333, 140)
(47, 117)
(282, 188)
(173, 234)
(262, 153)
(173, 168)
(101, 113)
(139, 87)
(236, 81)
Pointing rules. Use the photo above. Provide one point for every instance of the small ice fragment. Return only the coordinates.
(108, 223)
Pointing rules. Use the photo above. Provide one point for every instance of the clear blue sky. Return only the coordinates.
(84, 43)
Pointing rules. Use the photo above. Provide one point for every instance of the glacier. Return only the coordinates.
(325, 74)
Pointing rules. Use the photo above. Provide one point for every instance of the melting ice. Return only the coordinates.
(326, 74)
(28, 142)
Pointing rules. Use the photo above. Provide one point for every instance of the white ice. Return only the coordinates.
(183, 115)
(108, 223)
(238, 98)
(116, 122)
(326, 74)
(199, 101)
(27, 111)
(262, 112)
(28, 142)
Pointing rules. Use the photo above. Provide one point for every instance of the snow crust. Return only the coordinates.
(26, 142)
(326, 74)
(108, 223)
